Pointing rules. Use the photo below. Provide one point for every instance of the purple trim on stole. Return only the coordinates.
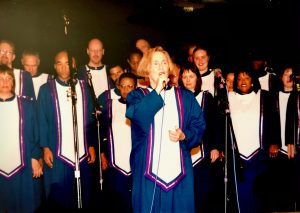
(148, 172)
(22, 147)
(58, 123)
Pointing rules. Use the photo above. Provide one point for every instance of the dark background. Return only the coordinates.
(230, 28)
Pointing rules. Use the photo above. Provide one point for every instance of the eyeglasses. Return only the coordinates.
(123, 86)
(5, 52)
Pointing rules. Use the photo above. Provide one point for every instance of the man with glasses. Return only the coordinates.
(23, 84)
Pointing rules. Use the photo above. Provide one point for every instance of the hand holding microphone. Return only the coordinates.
(162, 82)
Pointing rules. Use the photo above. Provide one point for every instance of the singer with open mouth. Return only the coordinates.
(166, 123)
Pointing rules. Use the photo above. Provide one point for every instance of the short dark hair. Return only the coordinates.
(251, 74)
(5, 69)
(128, 75)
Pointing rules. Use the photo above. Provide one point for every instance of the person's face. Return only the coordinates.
(189, 80)
(258, 64)
(115, 73)
(61, 66)
(134, 62)
(174, 76)
(229, 81)
(159, 67)
(244, 83)
(286, 80)
(201, 60)
(95, 52)
(191, 54)
(31, 64)
(7, 55)
(143, 45)
(6, 84)
(126, 85)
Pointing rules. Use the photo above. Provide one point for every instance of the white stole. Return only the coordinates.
(38, 82)
(166, 161)
(18, 82)
(283, 101)
(208, 83)
(99, 79)
(121, 144)
(245, 115)
(66, 147)
(11, 150)
(264, 82)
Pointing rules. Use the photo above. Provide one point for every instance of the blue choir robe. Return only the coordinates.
(117, 150)
(255, 126)
(207, 175)
(60, 180)
(282, 168)
(23, 84)
(150, 190)
(18, 193)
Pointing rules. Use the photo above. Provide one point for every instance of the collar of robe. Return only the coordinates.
(8, 99)
(95, 68)
(64, 83)
(206, 73)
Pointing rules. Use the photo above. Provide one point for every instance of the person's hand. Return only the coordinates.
(104, 162)
(291, 151)
(48, 157)
(162, 82)
(37, 169)
(176, 135)
(92, 155)
(273, 151)
(214, 155)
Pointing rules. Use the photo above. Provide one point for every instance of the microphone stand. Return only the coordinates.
(97, 114)
(224, 104)
(72, 82)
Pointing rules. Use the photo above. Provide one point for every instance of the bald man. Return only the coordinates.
(101, 80)
(143, 45)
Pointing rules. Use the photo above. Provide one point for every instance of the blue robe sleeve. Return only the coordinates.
(142, 109)
(103, 100)
(44, 103)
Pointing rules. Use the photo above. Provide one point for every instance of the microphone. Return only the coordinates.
(292, 77)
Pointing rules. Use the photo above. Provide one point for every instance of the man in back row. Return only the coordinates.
(31, 61)
(99, 71)
(23, 84)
